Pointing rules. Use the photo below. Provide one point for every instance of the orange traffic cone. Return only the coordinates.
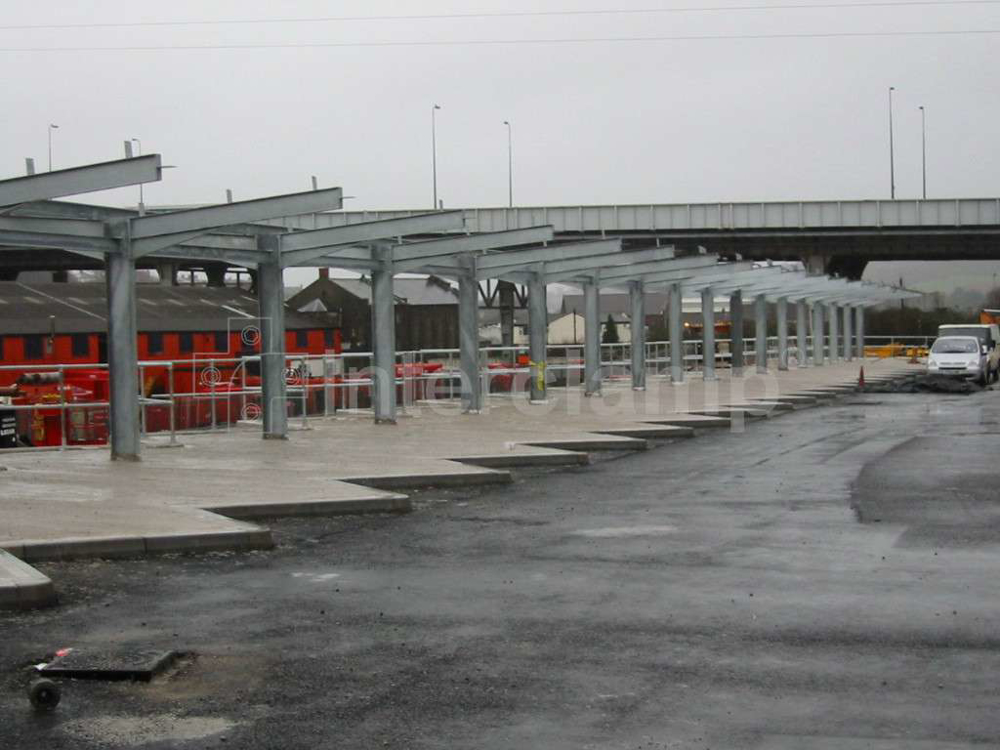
(861, 377)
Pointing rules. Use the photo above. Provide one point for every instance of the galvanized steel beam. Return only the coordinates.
(157, 231)
(271, 303)
(76, 180)
(413, 256)
(537, 335)
(737, 359)
(383, 339)
(782, 316)
(301, 248)
(637, 303)
(592, 339)
(123, 375)
(676, 333)
(760, 332)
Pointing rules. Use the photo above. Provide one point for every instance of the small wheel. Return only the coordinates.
(44, 695)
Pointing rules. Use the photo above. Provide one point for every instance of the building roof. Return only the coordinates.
(429, 290)
(490, 316)
(83, 308)
(616, 303)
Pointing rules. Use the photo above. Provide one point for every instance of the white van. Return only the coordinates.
(989, 341)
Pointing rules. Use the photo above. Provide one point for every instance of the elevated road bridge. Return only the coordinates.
(838, 237)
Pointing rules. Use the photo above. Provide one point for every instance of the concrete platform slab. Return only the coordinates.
(62, 504)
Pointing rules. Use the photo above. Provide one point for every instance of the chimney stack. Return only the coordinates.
(324, 273)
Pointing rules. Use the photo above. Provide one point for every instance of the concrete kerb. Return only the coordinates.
(593, 444)
(23, 587)
(430, 480)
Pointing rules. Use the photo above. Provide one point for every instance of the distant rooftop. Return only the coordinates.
(82, 308)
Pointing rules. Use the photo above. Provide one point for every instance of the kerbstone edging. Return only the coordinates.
(23, 587)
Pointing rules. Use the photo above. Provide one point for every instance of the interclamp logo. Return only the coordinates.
(224, 366)
(251, 413)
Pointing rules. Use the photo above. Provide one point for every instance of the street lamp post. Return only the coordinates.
(892, 155)
(923, 146)
(510, 163)
(434, 152)
(51, 128)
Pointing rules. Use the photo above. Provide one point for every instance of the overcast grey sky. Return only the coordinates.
(596, 122)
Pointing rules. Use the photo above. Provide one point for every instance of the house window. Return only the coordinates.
(185, 342)
(302, 339)
(221, 342)
(33, 346)
(154, 343)
(80, 344)
(328, 338)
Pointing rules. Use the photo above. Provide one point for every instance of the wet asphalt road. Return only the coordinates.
(830, 579)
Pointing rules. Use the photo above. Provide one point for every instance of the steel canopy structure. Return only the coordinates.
(260, 234)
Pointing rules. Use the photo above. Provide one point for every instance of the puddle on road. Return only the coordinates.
(317, 577)
(128, 731)
(616, 532)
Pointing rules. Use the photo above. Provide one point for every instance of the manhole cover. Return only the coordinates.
(139, 665)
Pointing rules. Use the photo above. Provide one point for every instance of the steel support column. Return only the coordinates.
(676, 334)
(802, 333)
(383, 338)
(708, 334)
(637, 297)
(537, 334)
(123, 366)
(273, 384)
(760, 332)
(736, 336)
(848, 343)
(592, 339)
(819, 335)
(859, 321)
(782, 333)
(505, 291)
(468, 337)
(832, 313)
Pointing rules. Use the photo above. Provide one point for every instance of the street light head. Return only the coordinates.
(505, 122)
(53, 126)
(437, 106)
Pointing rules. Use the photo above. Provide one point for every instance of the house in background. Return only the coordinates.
(426, 310)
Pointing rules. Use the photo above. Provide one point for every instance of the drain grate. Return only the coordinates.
(140, 665)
